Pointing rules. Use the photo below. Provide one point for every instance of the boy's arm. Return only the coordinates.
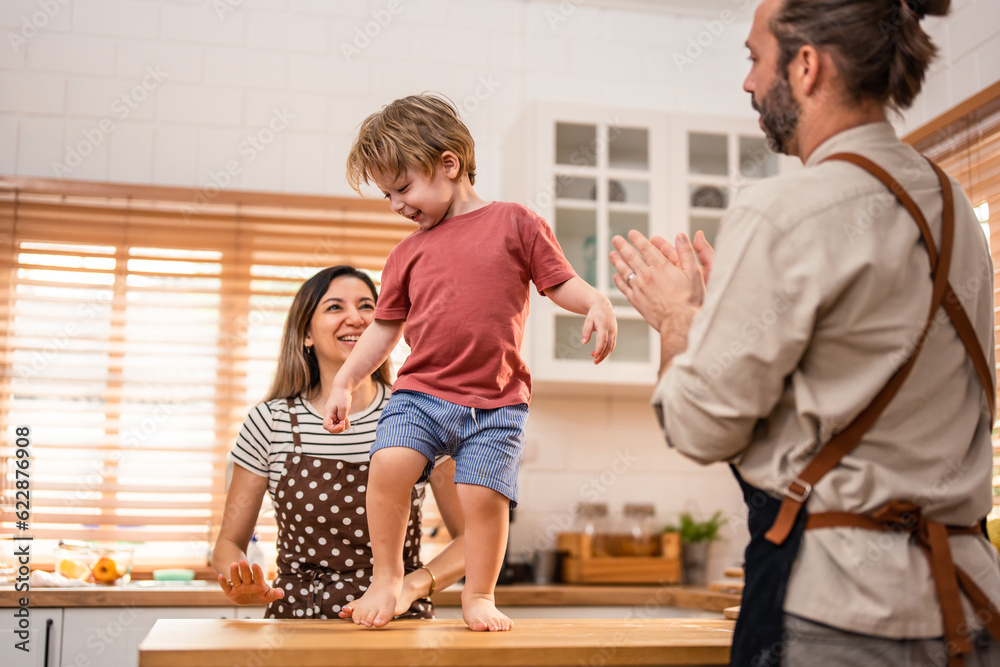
(373, 348)
(577, 296)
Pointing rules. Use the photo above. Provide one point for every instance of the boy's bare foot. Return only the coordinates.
(375, 608)
(481, 614)
(402, 606)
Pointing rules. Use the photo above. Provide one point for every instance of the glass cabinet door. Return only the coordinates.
(598, 174)
(718, 163)
(602, 188)
(576, 230)
(633, 337)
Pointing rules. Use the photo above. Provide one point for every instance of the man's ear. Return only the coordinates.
(451, 165)
(804, 71)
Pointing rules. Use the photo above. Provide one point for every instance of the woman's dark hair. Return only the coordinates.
(298, 371)
(880, 50)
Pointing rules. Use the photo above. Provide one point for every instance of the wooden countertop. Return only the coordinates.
(532, 643)
(521, 595)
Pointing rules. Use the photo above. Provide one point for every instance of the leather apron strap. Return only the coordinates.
(932, 538)
(797, 491)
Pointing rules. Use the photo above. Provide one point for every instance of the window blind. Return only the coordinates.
(965, 141)
(138, 325)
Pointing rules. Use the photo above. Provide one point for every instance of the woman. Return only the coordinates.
(317, 480)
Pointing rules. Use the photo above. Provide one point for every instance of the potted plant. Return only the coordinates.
(696, 536)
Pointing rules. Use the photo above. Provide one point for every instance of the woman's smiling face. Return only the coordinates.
(342, 315)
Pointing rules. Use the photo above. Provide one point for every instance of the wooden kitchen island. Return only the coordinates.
(443, 643)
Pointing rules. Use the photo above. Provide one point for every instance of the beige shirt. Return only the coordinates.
(820, 288)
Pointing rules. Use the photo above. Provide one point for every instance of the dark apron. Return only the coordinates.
(324, 552)
(766, 568)
(777, 524)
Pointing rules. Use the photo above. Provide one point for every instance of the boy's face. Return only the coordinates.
(427, 200)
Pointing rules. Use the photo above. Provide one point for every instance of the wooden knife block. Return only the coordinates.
(581, 566)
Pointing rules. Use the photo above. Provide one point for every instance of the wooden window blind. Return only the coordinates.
(138, 326)
(965, 141)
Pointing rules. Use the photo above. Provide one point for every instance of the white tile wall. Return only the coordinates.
(8, 144)
(609, 449)
(39, 144)
(968, 61)
(30, 15)
(25, 94)
(228, 64)
(116, 18)
(246, 68)
(131, 153)
(284, 31)
(71, 54)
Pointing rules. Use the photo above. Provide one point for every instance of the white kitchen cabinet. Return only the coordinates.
(111, 635)
(594, 173)
(44, 639)
(249, 611)
(712, 159)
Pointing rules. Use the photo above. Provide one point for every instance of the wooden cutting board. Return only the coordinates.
(443, 643)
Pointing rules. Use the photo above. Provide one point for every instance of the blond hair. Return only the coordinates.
(298, 370)
(410, 133)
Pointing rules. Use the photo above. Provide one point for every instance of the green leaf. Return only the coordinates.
(692, 530)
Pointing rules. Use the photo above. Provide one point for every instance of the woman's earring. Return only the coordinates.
(309, 349)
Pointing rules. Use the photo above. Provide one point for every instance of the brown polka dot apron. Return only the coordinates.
(324, 552)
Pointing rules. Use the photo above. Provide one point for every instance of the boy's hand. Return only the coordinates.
(601, 319)
(338, 406)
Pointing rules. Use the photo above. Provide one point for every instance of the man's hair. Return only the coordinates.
(410, 133)
(879, 48)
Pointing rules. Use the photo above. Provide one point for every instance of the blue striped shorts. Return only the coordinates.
(486, 444)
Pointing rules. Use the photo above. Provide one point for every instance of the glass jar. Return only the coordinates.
(641, 538)
(592, 519)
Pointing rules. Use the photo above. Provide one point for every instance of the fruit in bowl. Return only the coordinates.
(111, 566)
(72, 569)
(105, 571)
(73, 559)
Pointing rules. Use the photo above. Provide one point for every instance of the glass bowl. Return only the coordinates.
(111, 565)
(73, 559)
(95, 564)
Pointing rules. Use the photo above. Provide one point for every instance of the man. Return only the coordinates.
(858, 425)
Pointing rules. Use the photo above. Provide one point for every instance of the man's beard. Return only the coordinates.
(779, 115)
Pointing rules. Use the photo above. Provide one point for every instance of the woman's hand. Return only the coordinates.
(247, 585)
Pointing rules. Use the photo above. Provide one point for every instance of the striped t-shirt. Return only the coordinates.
(265, 439)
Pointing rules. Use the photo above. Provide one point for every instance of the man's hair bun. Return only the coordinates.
(924, 8)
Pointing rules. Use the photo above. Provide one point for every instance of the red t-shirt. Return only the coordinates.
(462, 287)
